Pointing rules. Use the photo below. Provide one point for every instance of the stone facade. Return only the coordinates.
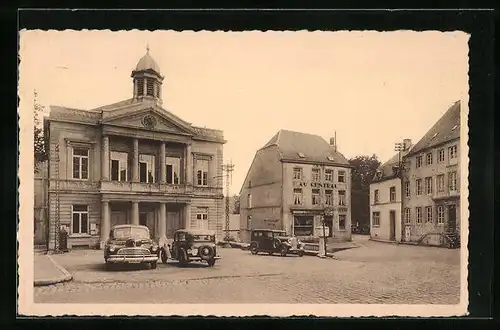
(132, 162)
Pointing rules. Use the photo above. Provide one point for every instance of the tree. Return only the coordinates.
(236, 204)
(362, 173)
(39, 141)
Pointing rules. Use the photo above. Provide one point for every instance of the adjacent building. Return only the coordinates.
(431, 183)
(292, 180)
(132, 162)
(386, 198)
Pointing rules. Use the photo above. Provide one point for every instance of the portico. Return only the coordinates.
(162, 218)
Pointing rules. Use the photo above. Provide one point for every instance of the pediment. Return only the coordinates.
(149, 119)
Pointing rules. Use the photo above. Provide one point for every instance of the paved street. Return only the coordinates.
(373, 273)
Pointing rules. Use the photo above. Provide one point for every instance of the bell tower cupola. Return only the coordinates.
(147, 79)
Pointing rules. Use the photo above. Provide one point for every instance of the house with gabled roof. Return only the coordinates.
(292, 180)
(431, 183)
(132, 161)
(386, 198)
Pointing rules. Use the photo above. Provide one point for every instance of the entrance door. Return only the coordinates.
(143, 219)
(407, 233)
(329, 224)
(452, 217)
(392, 219)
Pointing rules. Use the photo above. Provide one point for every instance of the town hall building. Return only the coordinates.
(131, 162)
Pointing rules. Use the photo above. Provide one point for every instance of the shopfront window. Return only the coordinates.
(303, 225)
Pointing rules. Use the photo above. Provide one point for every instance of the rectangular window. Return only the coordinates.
(418, 163)
(316, 175)
(147, 168)
(440, 182)
(303, 225)
(452, 152)
(202, 218)
(418, 211)
(119, 164)
(297, 173)
(440, 214)
(428, 159)
(452, 181)
(329, 175)
(392, 194)
(249, 201)
(376, 219)
(80, 163)
(297, 196)
(428, 213)
(418, 184)
(407, 215)
(202, 172)
(316, 197)
(150, 86)
(342, 218)
(342, 197)
(341, 176)
(375, 196)
(80, 219)
(173, 170)
(428, 185)
(407, 189)
(329, 197)
(140, 86)
(441, 155)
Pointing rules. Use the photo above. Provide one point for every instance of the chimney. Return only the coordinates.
(407, 144)
(332, 142)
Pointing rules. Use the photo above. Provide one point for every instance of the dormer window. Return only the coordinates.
(301, 155)
(454, 127)
(435, 134)
(330, 158)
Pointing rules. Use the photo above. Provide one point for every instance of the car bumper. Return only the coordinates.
(198, 258)
(131, 260)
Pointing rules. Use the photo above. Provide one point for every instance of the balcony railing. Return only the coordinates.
(445, 194)
(159, 188)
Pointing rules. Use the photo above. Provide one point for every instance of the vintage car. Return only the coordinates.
(191, 245)
(271, 241)
(130, 244)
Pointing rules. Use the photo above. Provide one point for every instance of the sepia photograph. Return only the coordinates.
(243, 173)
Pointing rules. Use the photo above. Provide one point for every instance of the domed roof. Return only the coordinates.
(147, 63)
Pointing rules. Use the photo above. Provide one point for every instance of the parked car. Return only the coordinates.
(130, 244)
(275, 241)
(191, 245)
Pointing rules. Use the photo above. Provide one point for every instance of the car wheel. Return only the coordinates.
(211, 262)
(153, 264)
(253, 249)
(283, 251)
(163, 254)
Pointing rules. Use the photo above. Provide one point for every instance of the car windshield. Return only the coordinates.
(202, 238)
(130, 232)
(279, 233)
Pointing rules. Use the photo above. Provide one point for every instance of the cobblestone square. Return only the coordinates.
(372, 273)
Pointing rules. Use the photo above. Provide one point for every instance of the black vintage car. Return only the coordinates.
(275, 241)
(130, 244)
(191, 245)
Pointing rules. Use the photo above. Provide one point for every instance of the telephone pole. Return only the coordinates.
(228, 169)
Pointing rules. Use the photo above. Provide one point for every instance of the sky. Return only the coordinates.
(372, 88)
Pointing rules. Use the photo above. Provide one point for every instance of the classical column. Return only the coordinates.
(105, 225)
(135, 161)
(105, 158)
(187, 215)
(163, 224)
(163, 165)
(189, 165)
(69, 161)
(135, 213)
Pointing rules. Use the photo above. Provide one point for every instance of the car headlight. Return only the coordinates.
(154, 248)
(112, 248)
(189, 251)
